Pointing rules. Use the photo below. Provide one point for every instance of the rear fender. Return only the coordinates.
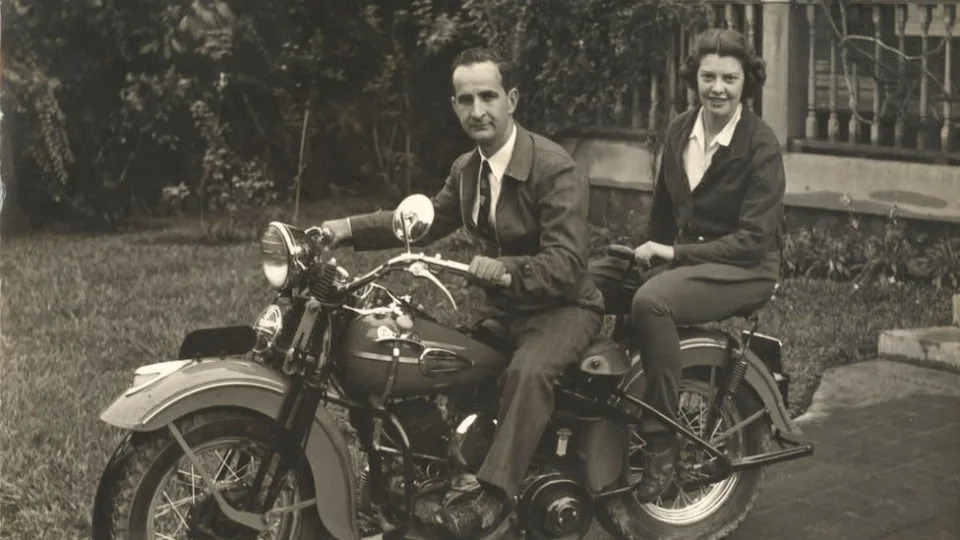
(701, 347)
(234, 382)
(698, 349)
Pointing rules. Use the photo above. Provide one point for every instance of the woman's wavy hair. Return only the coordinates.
(726, 42)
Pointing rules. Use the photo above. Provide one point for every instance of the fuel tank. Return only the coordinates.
(438, 359)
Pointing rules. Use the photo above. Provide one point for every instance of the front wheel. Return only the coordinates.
(151, 490)
(712, 511)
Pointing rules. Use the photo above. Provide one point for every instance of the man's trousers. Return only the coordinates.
(548, 341)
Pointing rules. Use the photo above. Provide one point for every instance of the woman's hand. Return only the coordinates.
(646, 252)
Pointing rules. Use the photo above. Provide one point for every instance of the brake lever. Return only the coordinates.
(420, 270)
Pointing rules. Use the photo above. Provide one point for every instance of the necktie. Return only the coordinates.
(483, 192)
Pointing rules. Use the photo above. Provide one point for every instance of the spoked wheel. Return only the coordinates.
(152, 490)
(709, 511)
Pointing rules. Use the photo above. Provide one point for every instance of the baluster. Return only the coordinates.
(671, 74)
(729, 18)
(901, 23)
(877, 88)
(618, 109)
(636, 119)
(748, 18)
(833, 122)
(654, 102)
(946, 136)
(811, 127)
(924, 64)
(711, 16)
(691, 92)
(854, 125)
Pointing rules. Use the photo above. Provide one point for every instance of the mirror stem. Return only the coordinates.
(406, 233)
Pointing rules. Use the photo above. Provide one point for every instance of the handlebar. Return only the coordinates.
(405, 261)
(455, 267)
(627, 253)
(621, 251)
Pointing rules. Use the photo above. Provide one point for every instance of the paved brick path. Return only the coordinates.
(887, 469)
(890, 470)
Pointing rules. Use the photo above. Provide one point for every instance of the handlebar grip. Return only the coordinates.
(621, 251)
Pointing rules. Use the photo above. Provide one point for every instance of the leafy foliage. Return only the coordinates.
(577, 61)
(895, 255)
(115, 100)
(941, 263)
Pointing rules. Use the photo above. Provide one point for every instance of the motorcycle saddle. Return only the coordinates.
(604, 356)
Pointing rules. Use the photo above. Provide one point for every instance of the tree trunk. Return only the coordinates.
(12, 217)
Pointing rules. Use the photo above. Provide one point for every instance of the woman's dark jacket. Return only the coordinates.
(735, 214)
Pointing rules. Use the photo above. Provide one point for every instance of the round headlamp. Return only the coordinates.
(279, 248)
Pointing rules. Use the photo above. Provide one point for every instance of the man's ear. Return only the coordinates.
(513, 99)
(453, 103)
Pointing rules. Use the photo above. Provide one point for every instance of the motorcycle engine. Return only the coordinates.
(555, 507)
(424, 424)
(471, 440)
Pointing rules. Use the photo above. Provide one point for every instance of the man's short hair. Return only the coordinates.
(479, 55)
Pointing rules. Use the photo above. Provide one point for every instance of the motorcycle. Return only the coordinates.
(346, 410)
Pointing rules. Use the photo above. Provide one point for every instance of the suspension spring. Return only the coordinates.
(737, 372)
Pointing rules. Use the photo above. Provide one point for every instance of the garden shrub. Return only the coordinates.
(851, 254)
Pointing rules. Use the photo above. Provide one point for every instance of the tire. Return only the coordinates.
(150, 490)
(713, 511)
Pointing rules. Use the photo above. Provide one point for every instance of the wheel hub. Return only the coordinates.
(207, 522)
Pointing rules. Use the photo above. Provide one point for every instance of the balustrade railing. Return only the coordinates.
(882, 79)
(652, 102)
(882, 76)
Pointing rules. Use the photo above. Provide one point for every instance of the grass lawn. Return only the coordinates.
(79, 313)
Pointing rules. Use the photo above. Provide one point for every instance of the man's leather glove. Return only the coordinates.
(341, 231)
(489, 272)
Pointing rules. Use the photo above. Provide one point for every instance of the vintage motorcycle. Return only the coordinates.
(346, 411)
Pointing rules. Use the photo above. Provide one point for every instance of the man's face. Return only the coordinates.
(720, 83)
(484, 107)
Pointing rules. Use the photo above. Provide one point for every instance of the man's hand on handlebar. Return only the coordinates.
(489, 272)
(340, 229)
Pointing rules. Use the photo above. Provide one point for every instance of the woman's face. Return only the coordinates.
(720, 85)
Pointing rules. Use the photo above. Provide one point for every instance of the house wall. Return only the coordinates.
(621, 175)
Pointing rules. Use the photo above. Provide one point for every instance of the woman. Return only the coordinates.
(715, 222)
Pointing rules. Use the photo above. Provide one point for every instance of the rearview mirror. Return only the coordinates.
(412, 218)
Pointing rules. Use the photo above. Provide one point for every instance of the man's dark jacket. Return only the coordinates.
(734, 215)
(541, 225)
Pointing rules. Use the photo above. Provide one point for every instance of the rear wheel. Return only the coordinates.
(151, 489)
(711, 511)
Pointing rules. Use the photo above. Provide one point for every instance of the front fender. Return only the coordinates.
(235, 382)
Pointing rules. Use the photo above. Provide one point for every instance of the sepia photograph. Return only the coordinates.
(479, 269)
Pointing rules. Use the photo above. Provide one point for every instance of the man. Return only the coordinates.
(522, 195)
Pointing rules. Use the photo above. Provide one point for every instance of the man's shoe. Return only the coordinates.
(659, 460)
(471, 510)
